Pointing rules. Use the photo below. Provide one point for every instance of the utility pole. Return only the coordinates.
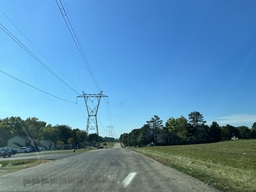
(92, 102)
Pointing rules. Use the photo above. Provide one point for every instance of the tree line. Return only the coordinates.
(60, 135)
(184, 131)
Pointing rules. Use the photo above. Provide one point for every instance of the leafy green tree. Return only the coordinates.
(254, 125)
(146, 135)
(80, 137)
(165, 137)
(244, 132)
(49, 133)
(134, 137)
(124, 138)
(94, 138)
(182, 130)
(228, 131)
(37, 130)
(64, 132)
(215, 132)
(33, 127)
(155, 124)
(71, 141)
(4, 132)
(4, 135)
(204, 134)
(10, 127)
(171, 124)
(60, 144)
(196, 120)
(253, 131)
(178, 129)
(191, 134)
(16, 126)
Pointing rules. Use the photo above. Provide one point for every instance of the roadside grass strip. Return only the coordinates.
(8, 166)
(228, 166)
(66, 151)
(16, 165)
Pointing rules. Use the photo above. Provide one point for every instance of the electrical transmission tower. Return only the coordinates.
(110, 131)
(92, 103)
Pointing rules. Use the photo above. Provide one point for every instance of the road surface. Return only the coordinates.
(105, 170)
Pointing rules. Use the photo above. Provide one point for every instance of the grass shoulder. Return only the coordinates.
(228, 166)
(9, 166)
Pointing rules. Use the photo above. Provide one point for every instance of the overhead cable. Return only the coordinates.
(106, 131)
(34, 87)
(109, 113)
(76, 40)
(81, 110)
(34, 46)
(4, 29)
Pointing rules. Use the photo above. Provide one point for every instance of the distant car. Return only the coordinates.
(14, 151)
(6, 151)
(34, 149)
(24, 150)
(41, 149)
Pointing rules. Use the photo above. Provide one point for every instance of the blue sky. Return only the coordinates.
(165, 58)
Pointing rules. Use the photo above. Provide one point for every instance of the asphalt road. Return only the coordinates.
(102, 170)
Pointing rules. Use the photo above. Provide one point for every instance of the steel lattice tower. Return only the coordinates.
(92, 103)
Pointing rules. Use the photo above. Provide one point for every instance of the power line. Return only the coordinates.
(106, 131)
(34, 87)
(4, 29)
(70, 26)
(80, 109)
(33, 45)
(76, 40)
(109, 112)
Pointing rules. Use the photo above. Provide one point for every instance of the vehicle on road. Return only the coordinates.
(24, 150)
(14, 151)
(6, 151)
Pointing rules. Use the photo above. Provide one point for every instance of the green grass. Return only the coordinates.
(16, 165)
(228, 166)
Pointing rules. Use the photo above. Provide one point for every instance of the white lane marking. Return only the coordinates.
(128, 179)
